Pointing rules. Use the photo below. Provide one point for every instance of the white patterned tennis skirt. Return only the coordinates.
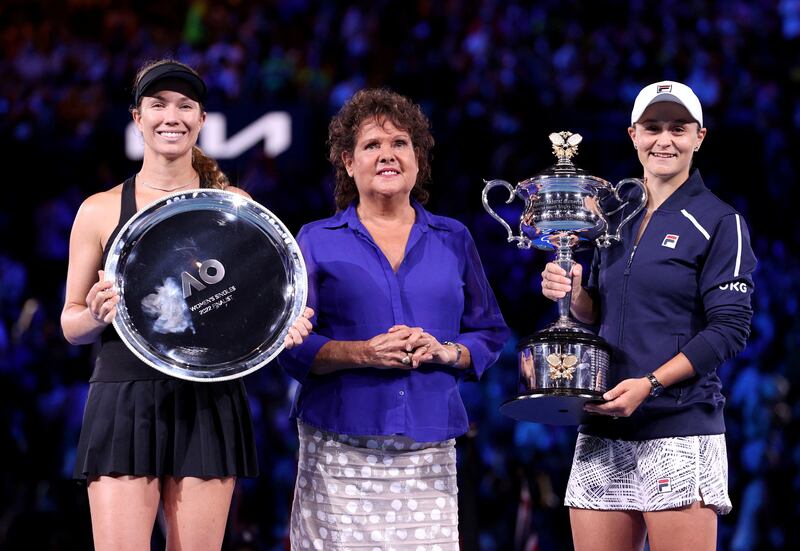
(379, 493)
(649, 475)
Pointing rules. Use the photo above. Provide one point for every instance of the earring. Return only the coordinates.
(696, 149)
(635, 146)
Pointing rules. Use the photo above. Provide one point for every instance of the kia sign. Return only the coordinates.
(273, 129)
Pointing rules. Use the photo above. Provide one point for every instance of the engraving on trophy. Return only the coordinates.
(564, 365)
(180, 196)
(286, 236)
(214, 301)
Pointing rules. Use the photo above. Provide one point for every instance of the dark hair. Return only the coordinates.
(207, 168)
(378, 104)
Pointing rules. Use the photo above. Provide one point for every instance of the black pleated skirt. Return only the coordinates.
(167, 427)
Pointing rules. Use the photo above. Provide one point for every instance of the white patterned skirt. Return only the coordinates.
(649, 475)
(379, 493)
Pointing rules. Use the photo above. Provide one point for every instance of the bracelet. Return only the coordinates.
(458, 350)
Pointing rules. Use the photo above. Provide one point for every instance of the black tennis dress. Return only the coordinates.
(139, 421)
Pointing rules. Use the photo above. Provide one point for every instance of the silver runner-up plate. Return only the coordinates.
(209, 282)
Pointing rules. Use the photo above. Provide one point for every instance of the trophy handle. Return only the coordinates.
(606, 240)
(522, 241)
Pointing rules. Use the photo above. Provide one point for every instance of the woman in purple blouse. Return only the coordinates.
(404, 312)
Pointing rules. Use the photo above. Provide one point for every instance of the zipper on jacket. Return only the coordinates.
(630, 261)
(625, 275)
(624, 297)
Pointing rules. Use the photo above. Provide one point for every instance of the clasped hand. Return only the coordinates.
(407, 348)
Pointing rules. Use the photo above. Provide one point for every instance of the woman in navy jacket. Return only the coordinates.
(673, 301)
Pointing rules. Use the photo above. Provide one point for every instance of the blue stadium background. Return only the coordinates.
(495, 78)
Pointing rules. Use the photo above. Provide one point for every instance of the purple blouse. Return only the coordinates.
(440, 286)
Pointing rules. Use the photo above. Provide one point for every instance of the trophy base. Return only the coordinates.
(553, 407)
(561, 368)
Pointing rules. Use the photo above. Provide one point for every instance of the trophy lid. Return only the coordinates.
(565, 147)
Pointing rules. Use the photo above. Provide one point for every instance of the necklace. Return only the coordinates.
(145, 184)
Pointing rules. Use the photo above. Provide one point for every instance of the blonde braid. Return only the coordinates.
(207, 168)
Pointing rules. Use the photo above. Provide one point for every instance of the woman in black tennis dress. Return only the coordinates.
(147, 438)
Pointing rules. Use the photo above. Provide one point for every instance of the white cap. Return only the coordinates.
(667, 90)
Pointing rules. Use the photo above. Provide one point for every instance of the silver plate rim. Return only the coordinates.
(300, 283)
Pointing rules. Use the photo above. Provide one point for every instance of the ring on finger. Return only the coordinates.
(406, 359)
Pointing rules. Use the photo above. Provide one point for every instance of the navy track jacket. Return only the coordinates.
(685, 287)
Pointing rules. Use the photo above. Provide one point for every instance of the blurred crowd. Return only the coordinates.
(495, 77)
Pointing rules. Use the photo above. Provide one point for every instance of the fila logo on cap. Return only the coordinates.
(670, 240)
(667, 90)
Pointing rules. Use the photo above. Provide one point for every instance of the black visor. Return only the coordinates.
(196, 88)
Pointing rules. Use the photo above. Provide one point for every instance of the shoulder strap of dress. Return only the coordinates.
(128, 206)
(127, 209)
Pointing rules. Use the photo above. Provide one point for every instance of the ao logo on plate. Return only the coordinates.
(210, 271)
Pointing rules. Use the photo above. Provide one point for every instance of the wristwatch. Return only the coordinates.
(458, 350)
(656, 387)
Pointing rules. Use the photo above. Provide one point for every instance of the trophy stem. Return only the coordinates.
(564, 260)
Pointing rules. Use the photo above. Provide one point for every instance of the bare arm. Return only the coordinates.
(677, 369)
(338, 355)
(90, 303)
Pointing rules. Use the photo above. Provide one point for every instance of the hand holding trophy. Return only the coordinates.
(564, 365)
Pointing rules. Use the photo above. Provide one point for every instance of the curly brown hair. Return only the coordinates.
(211, 176)
(380, 105)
